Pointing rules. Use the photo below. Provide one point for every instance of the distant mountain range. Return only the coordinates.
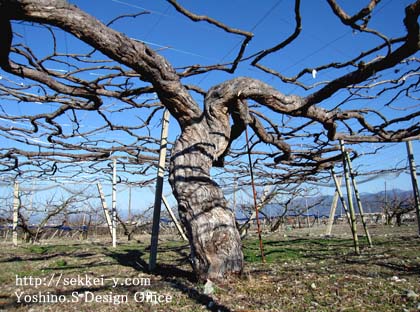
(321, 205)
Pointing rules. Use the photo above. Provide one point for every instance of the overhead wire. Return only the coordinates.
(162, 46)
(259, 21)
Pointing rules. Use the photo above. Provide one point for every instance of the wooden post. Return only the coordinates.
(178, 226)
(114, 203)
(158, 192)
(350, 201)
(359, 201)
(414, 181)
(105, 208)
(333, 209)
(16, 206)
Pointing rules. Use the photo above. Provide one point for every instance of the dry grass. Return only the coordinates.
(304, 272)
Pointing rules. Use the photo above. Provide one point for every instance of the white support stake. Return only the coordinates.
(158, 192)
(333, 209)
(16, 204)
(129, 203)
(105, 208)
(178, 226)
(114, 203)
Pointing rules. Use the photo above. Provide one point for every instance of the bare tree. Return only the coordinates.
(395, 205)
(295, 203)
(53, 210)
(206, 133)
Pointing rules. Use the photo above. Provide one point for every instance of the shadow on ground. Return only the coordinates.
(178, 278)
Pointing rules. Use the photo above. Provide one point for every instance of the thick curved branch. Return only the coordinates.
(151, 66)
(363, 14)
(247, 88)
(55, 85)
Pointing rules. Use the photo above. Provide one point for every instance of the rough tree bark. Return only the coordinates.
(215, 242)
(214, 239)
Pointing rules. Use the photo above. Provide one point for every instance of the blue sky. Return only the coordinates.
(183, 42)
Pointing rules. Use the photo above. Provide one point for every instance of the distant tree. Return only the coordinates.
(54, 211)
(396, 205)
(383, 67)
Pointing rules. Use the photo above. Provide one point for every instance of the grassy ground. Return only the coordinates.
(303, 272)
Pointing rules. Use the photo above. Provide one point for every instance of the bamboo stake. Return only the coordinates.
(350, 201)
(178, 226)
(16, 206)
(358, 200)
(158, 192)
(414, 181)
(333, 209)
(105, 208)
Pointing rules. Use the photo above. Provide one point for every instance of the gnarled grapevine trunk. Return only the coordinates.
(216, 247)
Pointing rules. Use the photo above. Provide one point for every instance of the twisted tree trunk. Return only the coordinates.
(216, 247)
(214, 239)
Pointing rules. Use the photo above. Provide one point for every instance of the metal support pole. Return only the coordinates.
(350, 201)
(114, 203)
(16, 206)
(413, 172)
(333, 209)
(158, 192)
